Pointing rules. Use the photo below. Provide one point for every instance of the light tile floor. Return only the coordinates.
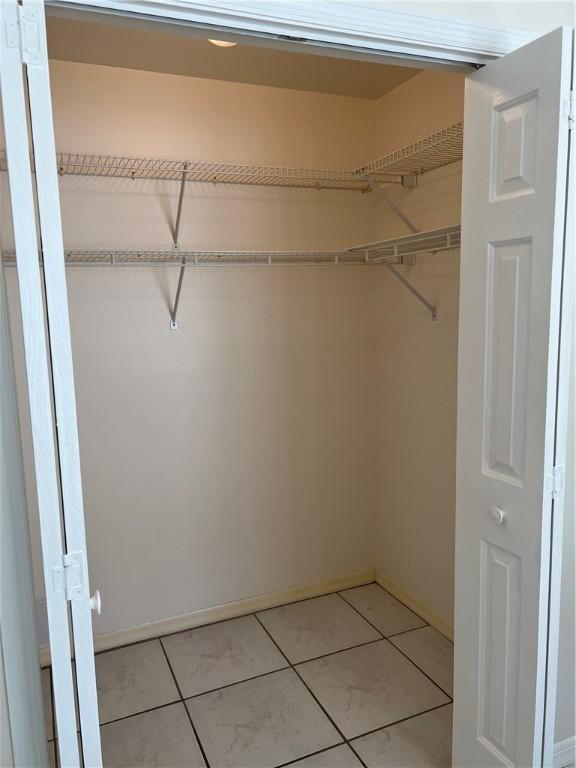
(345, 680)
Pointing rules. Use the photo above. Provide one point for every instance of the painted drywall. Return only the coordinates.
(232, 457)
(418, 363)
(536, 16)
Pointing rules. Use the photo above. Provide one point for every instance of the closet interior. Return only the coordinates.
(252, 437)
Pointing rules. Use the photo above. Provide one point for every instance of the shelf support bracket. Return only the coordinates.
(174, 313)
(377, 189)
(430, 307)
(176, 236)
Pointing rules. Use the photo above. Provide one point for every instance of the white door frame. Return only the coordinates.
(337, 28)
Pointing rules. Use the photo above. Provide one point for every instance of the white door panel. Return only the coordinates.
(514, 193)
(37, 371)
(63, 377)
(24, 51)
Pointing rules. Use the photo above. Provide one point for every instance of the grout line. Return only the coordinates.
(289, 665)
(310, 754)
(220, 621)
(264, 610)
(407, 631)
(237, 682)
(397, 722)
(307, 599)
(341, 596)
(303, 681)
(421, 670)
(205, 757)
(403, 632)
(143, 712)
(415, 629)
(340, 650)
(425, 623)
(360, 759)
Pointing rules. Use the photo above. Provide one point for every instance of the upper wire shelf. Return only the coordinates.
(126, 167)
(431, 152)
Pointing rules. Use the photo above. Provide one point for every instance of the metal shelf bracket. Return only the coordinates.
(430, 307)
(176, 238)
(377, 189)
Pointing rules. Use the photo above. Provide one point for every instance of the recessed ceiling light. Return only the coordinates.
(223, 43)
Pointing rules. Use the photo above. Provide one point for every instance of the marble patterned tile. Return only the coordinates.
(315, 627)
(221, 654)
(421, 742)
(47, 702)
(133, 679)
(261, 723)
(369, 687)
(337, 757)
(381, 609)
(432, 652)
(162, 737)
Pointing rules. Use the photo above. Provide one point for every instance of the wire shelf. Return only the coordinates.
(392, 251)
(431, 241)
(126, 167)
(430, 152)
(203, 258)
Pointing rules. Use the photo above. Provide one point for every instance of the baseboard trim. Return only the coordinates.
(565, 753)
(415, 605)
(109, 640)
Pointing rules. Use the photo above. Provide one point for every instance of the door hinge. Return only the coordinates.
(68, 578)
(556, 482)
(24, 33)
(570, 109)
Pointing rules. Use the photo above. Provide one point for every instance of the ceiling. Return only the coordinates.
(180, 54)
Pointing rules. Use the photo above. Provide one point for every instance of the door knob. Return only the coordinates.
(497, 514)
(96, 602)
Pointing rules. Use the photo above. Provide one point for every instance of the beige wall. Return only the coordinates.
(232, 457)
(244, 433)
(418, 364)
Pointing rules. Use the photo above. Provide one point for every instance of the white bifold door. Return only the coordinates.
(515, 299)
(27, 111)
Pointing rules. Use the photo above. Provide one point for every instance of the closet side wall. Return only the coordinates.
(233, 457)
(418, 364)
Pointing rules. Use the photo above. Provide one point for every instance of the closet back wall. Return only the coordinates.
(235, 456)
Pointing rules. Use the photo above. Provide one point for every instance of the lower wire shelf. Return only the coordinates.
(387, 253)
(394, 251)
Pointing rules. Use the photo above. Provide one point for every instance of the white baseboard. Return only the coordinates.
(565, 753)
(415, 605)
(118, 637)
